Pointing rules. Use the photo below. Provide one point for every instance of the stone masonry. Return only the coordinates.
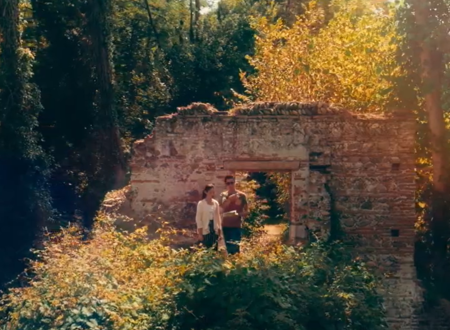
(360, 168)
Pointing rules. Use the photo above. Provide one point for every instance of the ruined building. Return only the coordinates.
(352, 169)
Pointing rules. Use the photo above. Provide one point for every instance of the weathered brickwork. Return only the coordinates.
(361, 167)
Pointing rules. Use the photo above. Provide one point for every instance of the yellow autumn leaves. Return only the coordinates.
(350, 60)
(125, 281)
(108, 282)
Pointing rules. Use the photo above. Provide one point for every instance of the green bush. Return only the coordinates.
(320, 287)
(124, 281)
(253, 225)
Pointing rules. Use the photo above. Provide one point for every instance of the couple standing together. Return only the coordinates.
(222, 219)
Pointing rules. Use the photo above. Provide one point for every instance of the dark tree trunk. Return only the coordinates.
(151, 21)
(107, 114)
(108, 155)
(197, 12)
(9, 25)
(191, 21)
(431, 71)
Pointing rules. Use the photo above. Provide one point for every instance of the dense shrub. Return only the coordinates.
(123, 281)
(253, 225)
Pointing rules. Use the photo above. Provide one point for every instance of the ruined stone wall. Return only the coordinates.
(360, 167)
(366, 163)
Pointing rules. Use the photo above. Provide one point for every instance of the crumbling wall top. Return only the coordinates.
(280, 109)
(286, 109)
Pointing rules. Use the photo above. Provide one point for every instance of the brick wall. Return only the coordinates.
(362, 167)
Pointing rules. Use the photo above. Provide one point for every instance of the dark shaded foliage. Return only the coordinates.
(102, 72)
(24, 167)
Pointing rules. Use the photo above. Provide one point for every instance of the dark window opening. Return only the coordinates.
(395, 232)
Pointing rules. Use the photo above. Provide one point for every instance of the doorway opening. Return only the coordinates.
(296, 174)
(269, 197)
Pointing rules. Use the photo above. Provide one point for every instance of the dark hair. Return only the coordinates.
(228, 177)
(208, 187)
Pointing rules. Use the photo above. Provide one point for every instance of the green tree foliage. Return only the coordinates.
(79, 123)
(105, 69)
(160, 67)
(24, 167)
(273, 192)
(155, 68)
(65, 77)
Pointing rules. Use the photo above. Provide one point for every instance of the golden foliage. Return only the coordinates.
(351, 61)
(283, 182)
(125, 281)
(254, 223)
(110, 279)
(248, 187)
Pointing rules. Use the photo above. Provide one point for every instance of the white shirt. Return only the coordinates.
(205, 213)
(211, 209)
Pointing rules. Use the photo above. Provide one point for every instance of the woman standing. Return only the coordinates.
(209, 222)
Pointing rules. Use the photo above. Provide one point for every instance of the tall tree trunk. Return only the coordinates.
(191, 21)
(432, 74)
(9, 28)
(152, 23)
(107, 119)
(110, 158)
(197, 12)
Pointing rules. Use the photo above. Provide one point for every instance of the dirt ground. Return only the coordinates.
(274, 232)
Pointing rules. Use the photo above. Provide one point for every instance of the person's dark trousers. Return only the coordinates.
(232, 238)
(210, 240)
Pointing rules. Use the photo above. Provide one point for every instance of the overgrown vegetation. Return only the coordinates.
(81, 79)
(349, 60)
(24, 167)
(253, 226)
(102, 71)
(276, 195)
(123, 281)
